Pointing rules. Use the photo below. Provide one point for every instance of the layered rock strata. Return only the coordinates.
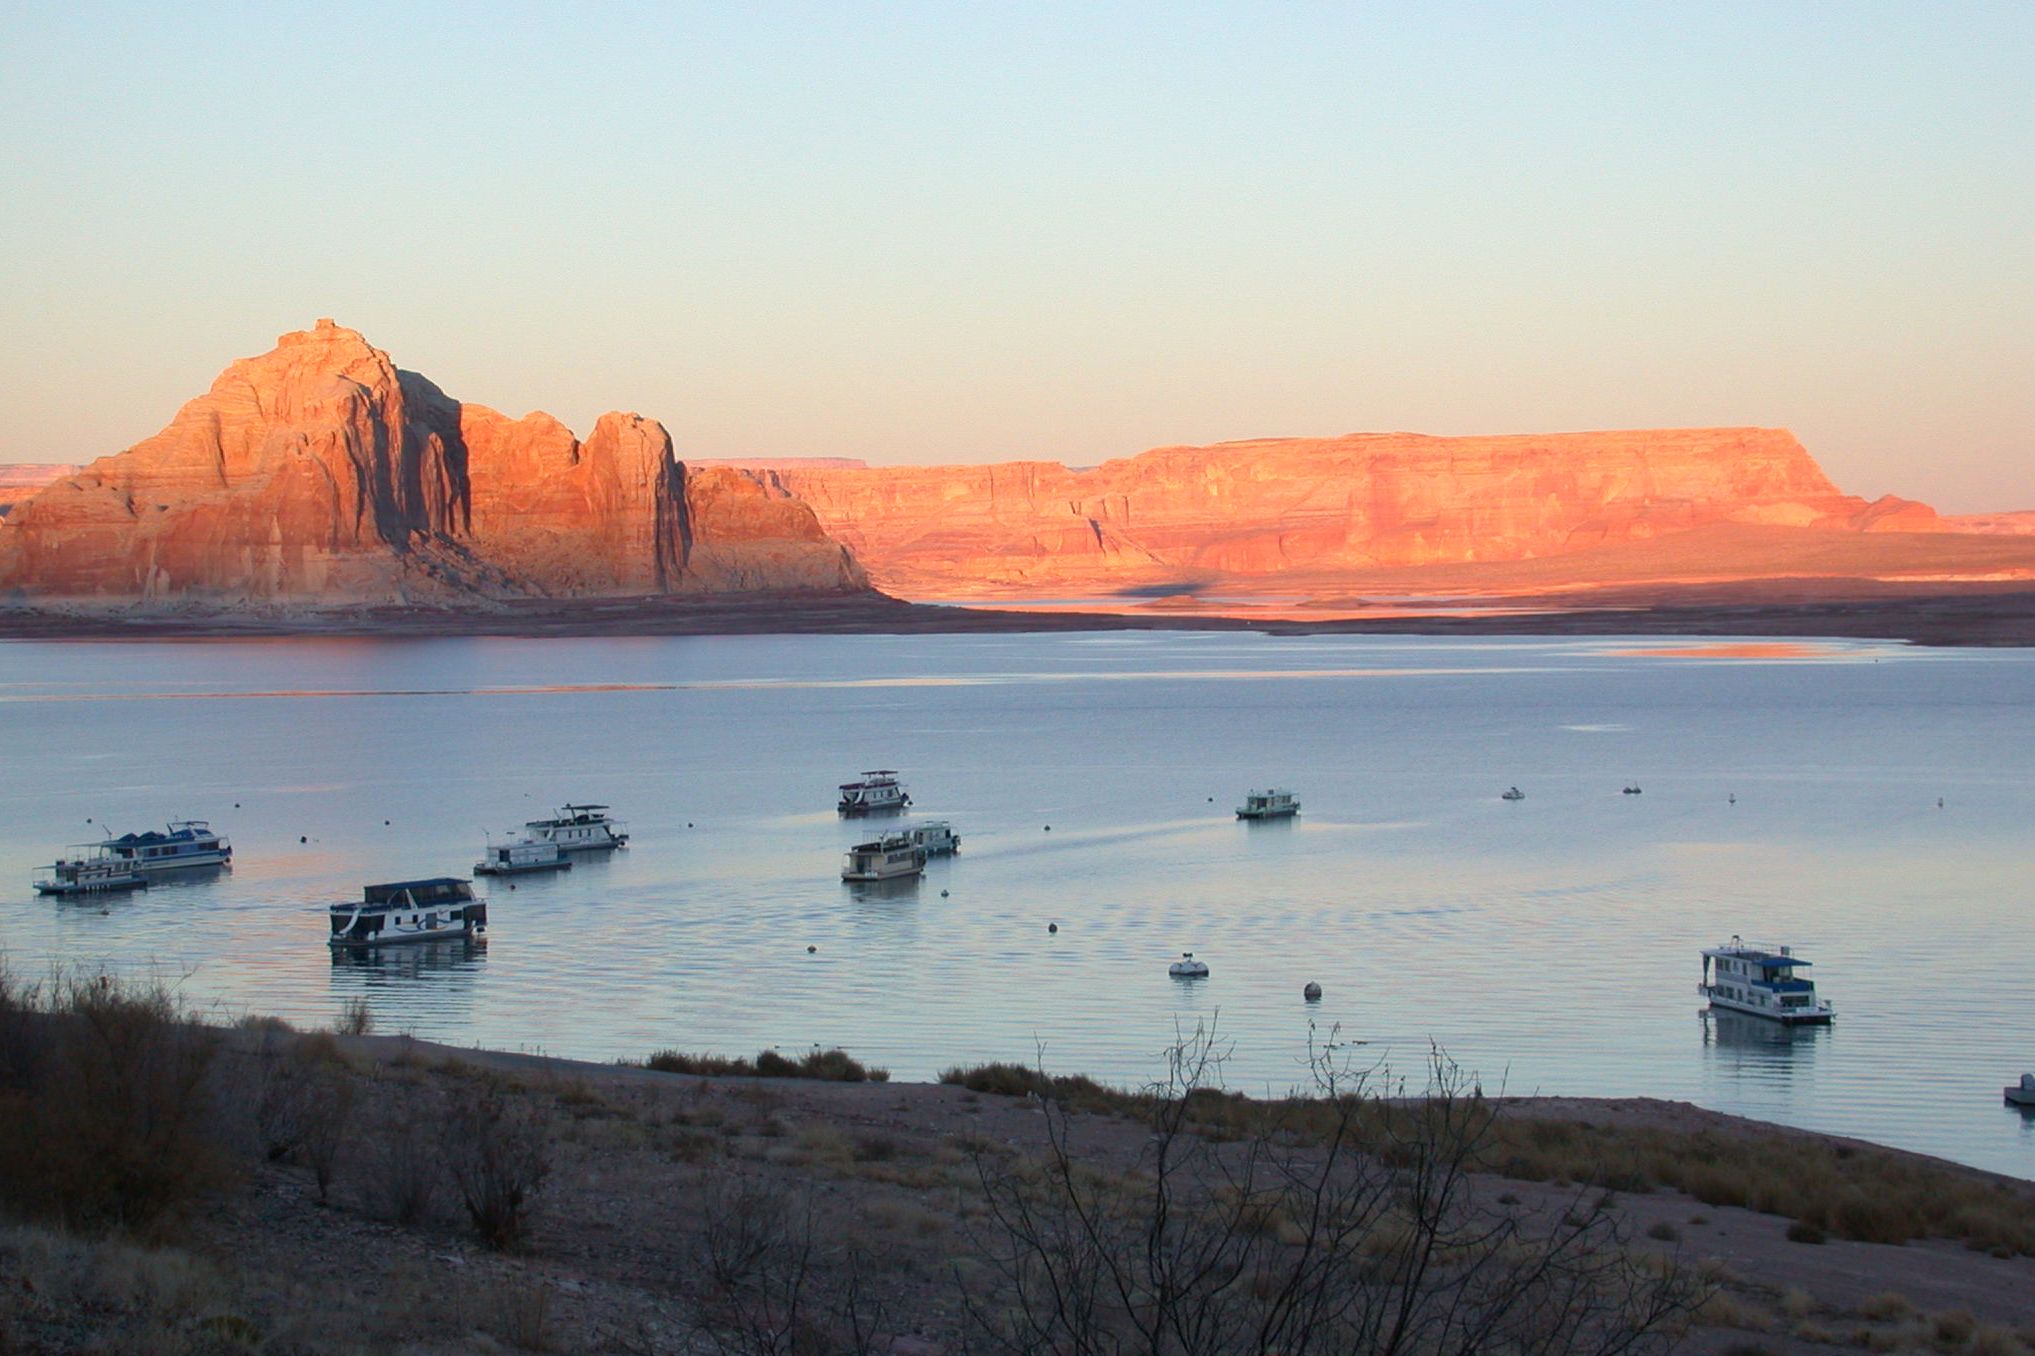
(1318, 505)
(320, 471)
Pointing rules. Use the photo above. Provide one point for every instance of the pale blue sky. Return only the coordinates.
(962, 232)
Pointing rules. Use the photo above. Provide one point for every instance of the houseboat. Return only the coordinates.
(1268, 805)
(88, 875)
(439, 909)
(1760, 980)
(519, 855)
(936, 838)
(877, 793)
(578, 828)
(1512, 793)
(185, 843)
(891, 857)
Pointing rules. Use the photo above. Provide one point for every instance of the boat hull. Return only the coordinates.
(119, 885)
(1816, 1016)
(525, 869)
(1287, 813)
(390, 937)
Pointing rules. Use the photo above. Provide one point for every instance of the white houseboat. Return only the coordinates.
(579, 828)
(890, 857)
(185, 843)
(1760, 980)
(877, 793)
(439, 909)
(519, 855)
(936, 837)
(1272, 804)
(91, 874)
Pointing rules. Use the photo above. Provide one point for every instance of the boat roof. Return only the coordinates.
(1757, 955)
(584, 807)
(394, 886)
(180, 831)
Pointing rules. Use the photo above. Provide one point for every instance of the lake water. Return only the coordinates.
(1551, 945)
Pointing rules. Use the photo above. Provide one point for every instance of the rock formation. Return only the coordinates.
(1318, 505)
(319, 471)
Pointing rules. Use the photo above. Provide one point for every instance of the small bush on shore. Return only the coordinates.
(830, 1066)
(106, 1109)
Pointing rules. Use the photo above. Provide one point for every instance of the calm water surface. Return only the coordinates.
(1550, 945)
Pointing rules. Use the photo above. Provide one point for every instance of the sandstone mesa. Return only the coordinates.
(319, 472)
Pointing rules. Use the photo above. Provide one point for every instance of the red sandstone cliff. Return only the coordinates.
(1319, 505)
(319, 471)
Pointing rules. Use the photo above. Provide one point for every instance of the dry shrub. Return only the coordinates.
(1887, 1307)
(107, 1114)
(355, 1019)
(1797, 1303)
(1664, 1232)
(499, 1158)
(832, 1066)
(403, 1170)
(1801, 1231)
(1994, 1340)
(1955, 1327)
(1847, 1191)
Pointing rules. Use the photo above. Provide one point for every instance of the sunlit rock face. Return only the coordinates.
(319, 471)
(1319, 505)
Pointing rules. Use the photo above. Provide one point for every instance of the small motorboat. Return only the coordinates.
(1632, 790)
(2022, 1093)
(1272, 804)
(1187, 967)
(936, 837)
(1513, 794)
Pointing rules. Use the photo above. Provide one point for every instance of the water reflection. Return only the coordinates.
(1549, 944)
(1755, 1045)
(434, 978)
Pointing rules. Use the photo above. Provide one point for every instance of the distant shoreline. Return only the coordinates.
(1922, 614)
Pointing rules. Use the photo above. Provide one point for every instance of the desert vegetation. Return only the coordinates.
(831, 1066)
(171, 1185)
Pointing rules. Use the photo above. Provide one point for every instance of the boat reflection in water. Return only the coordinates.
(415, 960)
(1753, 1044)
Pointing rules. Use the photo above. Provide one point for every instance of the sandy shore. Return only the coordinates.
(1965, 615)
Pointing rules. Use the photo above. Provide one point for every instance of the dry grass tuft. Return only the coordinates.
(831, 1066)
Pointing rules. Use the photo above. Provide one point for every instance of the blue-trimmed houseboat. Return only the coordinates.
(1760, 980)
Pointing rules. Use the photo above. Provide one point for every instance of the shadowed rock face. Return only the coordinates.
(1319, 505)
(319, 471)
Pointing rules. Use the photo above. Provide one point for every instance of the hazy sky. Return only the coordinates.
(973, 231)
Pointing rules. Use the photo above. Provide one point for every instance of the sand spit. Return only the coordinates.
(654, 1183)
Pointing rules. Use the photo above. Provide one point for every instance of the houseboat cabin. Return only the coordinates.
(185, 843)
(936, 837)
(1272, 804)
(439, 909)
(519, 855)
(876, 793)
(579, 828)
(88, 875)
(890, 857)
(1760, 980)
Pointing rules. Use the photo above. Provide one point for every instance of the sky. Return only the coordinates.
(966, 232)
